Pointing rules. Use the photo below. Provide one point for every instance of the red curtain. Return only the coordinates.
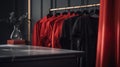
(108, 45)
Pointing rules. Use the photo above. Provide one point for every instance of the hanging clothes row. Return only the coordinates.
(68, 31)
(49, 27)
(80, 33)
(48, 30)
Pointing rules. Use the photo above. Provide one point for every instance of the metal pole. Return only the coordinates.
(29, 17)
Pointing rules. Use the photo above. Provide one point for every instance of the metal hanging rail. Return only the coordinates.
(74, 7)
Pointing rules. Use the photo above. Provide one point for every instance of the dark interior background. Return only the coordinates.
(39, 9)
(7, 6)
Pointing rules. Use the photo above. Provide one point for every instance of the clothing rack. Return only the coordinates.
(74, 7)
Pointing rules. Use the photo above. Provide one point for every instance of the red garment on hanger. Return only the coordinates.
(37, 31)
(49, 29)
(57, 30)
(43, 35)
(108, 47)
(42, 31)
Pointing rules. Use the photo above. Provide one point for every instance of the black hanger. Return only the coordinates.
(65, 12)
(85, 12)
(72, 12)
(92, 11)
(50, 14)
(97, 11)
(57, 14)
(78, 12)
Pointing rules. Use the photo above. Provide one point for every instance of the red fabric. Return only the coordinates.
(49, 29)
(54, 36)
(117, 32)
(57, 30)
(108, 47)
(42, 31)
(36, 32)
(43, 37)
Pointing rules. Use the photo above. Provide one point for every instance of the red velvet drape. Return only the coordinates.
(108, 46)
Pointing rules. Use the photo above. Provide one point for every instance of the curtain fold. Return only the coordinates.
(117, 32)
(108, 46)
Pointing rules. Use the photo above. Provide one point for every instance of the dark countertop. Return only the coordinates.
(10, 53)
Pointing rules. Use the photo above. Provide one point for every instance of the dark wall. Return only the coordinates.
(7, 6)
(21, 8)
(40, 8)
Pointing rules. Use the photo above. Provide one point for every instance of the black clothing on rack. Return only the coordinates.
(65, 38)
(80, 33)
